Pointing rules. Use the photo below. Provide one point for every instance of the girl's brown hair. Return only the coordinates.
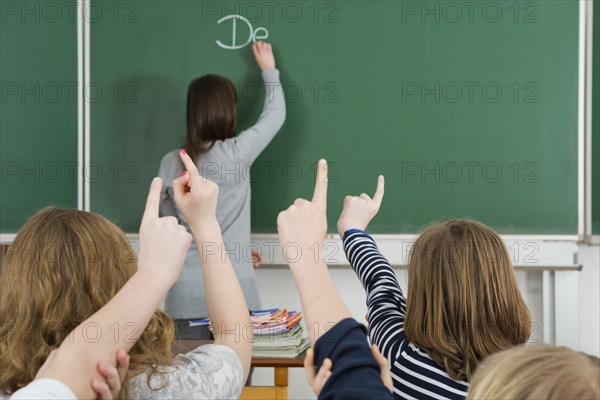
(463, 300)
(63, 266)
(537, 372)
(211, 113)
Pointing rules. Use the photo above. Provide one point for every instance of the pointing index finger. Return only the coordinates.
(378, 196)
(188, 163)
(320, 194)
(153, 201)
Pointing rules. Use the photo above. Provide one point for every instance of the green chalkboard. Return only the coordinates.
(468, 110)
(38, 112)
(596, 122)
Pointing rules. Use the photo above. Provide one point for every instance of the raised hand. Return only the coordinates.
(163, 242)
(304, 224)
(359, 210)
(195, 196)
(263, 53)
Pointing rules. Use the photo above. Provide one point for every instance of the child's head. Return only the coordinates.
(63, 266)
(211, 112)
(463, 300)
(537, 372)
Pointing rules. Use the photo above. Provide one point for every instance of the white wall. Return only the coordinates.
(589, 300)
(277, 289)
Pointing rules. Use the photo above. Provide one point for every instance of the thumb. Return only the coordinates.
(181, 186)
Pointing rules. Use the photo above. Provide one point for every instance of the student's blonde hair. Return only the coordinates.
(537, 372)
(463, 300)
(63, 266)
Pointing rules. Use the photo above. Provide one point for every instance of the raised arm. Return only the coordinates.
(304, 225)
(385, 300)
(252, 141)
(196, 197)
(335, 336)
(163, 247)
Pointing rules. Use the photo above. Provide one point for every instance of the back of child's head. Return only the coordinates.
(463, 300)
(211, 113)
(537, 372)
(63, 266)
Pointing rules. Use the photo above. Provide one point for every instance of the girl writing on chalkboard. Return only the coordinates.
(463, 301)
(223, 157)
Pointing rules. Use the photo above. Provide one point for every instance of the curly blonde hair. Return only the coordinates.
(63, 266)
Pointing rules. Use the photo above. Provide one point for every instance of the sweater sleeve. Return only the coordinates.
(355, 373)
(250, 143)
(385, 301)
(166, 172)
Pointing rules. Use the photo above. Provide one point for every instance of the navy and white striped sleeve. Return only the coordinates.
(385, 301)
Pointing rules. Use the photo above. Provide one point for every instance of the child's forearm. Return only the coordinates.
(321, 302)
(117, 325)
(225, 299)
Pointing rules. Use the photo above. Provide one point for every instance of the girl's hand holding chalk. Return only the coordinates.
(263, 53)
(163, 242)
(304, 224)
(195, 196)
(359, 210)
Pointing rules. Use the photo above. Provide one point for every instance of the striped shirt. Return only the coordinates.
(415, 374)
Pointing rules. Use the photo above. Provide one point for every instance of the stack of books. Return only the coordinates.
(278, 333)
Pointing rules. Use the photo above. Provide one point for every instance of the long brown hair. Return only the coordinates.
(63, 266)
(211, 113)
(537, 372)
(463, 300)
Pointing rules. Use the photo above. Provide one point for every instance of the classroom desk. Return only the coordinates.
(280, 366)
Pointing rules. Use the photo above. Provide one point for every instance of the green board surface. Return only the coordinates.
(469, 113)
(38, 112)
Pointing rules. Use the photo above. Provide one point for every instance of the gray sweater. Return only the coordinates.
(227, 163)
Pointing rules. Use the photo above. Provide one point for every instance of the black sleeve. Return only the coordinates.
(355, 373)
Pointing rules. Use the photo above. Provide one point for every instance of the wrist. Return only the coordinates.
(146, 278)
(304, 254)
(350, 231)
(204, 223)
(343, 228)
(205, 226)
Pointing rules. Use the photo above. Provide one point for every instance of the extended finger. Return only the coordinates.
(378, 196)
(153, 200)
(188, 163)
(320, 194)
